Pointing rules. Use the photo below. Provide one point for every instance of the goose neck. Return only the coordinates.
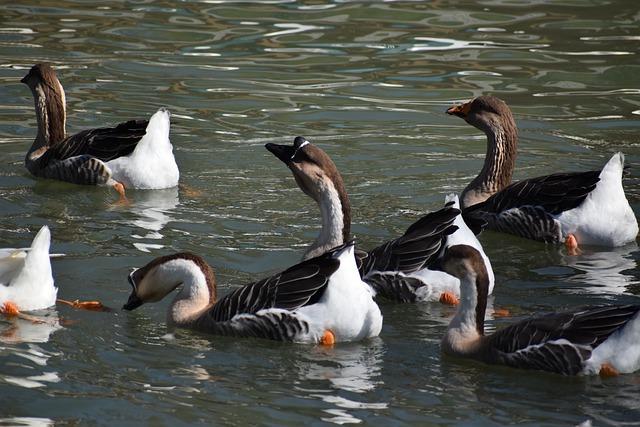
(499, 164)
(335, 212)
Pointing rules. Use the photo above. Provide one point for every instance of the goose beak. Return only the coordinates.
(461, 110)
(283, 152)
(134, 301)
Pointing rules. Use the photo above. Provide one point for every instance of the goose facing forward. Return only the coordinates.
(398, 269)
(583, 208)
(26, 281)
(135, 154)
(592, 340)
(321, 300)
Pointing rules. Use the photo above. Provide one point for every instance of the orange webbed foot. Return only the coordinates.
(191, 192)
(608, 371)
(328, 338)
(122, 200)
(86, 305)
(501, 313)
(448, 299)
(572, 245)
(10, 309)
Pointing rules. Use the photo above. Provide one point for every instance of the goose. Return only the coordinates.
(321, 300)
(578, 208)
(593, 340)
(134, 154)
(397, 270)
(26, 279)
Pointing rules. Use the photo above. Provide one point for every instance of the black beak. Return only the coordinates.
(283, 152)
(133, 302)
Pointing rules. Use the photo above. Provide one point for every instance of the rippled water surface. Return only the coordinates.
(369, 83)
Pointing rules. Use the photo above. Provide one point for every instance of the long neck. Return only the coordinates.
(335, 211)
(466, 330)
(499, 164)
(50, 110)
(198, 293)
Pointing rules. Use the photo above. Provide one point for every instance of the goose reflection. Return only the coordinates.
(152, 211)
(17, 330)
(352, 367)
(604, 271)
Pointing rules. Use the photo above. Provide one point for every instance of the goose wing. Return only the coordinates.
(527, 208)
(559, 342)
(300, 285)
(419, 245)
(104, 143)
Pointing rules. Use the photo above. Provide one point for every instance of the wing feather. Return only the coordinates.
(300, 285)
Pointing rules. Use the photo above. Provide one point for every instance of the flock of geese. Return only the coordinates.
(330, 296)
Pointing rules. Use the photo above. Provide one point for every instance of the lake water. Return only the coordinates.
(369, 83)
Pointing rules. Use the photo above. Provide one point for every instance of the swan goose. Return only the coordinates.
(26, 280)
(134, 154)
(601, 339)
(320, 300)
(398, 269)
(580, 208)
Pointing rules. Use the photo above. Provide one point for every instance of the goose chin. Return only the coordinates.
(133, 302)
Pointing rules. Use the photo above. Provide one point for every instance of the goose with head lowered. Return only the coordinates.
(591, 340)
(398, 269)
(26, 280)
(577, 208)
(320, 300)
(134, 154)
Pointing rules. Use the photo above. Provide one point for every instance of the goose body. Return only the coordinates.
(26, 279)
(301, 304)
(588, 207)
(136, 154)
(601, 339)
(396, 270)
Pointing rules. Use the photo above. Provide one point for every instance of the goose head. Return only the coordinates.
(318, 177)
(466, 263)
(50, 103)
(492, 116)
(312, 168)
(162, 275)
(487, 113)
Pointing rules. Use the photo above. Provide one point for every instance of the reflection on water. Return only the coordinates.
(21, 330)
(349, 367)
(604, 271)
(27, 422)
(353, 367)
(151, 211)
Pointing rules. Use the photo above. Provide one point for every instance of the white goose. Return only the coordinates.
(135, 154)
(585, 208)
(591, 340)
(397, 270)
(321, 300)
(26, 280)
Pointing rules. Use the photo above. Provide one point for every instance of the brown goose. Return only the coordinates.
(321, 300)
(586, 341)
(398, 269)
(135, 154)
(586, 208)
